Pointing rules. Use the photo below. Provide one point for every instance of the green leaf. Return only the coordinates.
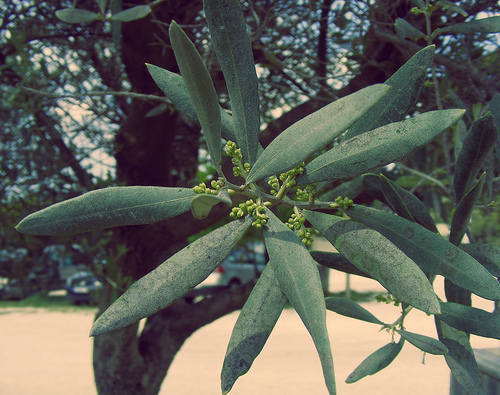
(375, 362)
(372, 183)
(75, 15)
(477, 145)
(106, 208)
(471, 320)
(430, 251)
(102, 5)
(372, 253)
(299, 279)
(485, 25)
(407, 30)
(486, 255)
(175, 89)
(424, 343)
(172, 279)
(351, 309)
(202, 204)
(394, 199)
(460, 357)
(234, 51)
(305, 137)
(406, 84)
(463, 212)
(132, 14)
(449, 6)
(253, 327)
(378, 147)
(336, 261)
(201, 90)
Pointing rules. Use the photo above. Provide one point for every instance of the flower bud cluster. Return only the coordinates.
(307, 194)
(239, 168)
(250, 207)
(216, 185)
(344, 203)
(389, 299)
(287, 181)
(296, 222)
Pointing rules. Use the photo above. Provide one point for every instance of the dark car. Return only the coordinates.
(83, 287)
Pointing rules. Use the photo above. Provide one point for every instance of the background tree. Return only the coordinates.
(308, 54)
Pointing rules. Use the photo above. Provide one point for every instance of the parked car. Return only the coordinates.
(83, 287)
(243, 264)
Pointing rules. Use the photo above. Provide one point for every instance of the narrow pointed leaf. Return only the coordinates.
(463, 212)
(375, 362)
(417, 209)
(486, 255)
(132, 14)
(376, 255)
(351, 309)
(75, 15)
(424, 343)
(200, 88)
(394, 199)
(106, 208)
(460, 357)
(406, 84)
(175, 89)
(378, 147)
(430, 251)
(202, 204)
(253, 327)
(299, 279)
(234, 51)
(305, 137)
(407, 30)
(485, 25)
(172, 279)
(471, 320)
(478, 143)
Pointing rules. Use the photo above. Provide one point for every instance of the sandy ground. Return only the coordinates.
(49, 353)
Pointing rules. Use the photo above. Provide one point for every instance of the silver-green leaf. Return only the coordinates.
(76, 15)
(305, 137)
(375, 255)
(132, 14)
(253, 327)
(202, 204)
(299, 279)
(234, 51)
(378, 147)
(106, 208)
(201, 90)
(172, 279)
(425, 343)
(349, 308)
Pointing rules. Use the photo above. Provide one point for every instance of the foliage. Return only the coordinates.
(401, 250)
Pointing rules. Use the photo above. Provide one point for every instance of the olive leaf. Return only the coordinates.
(336, 261)
(417, 209)
(460, 357)
(106, 208)
(406, 84)
(375, 362)
(378, 147)
(431, 252)
(234, 51)
(132, 14)
(487, 255)
(485, 25)
(374, 254)
(425, 343)
(76, 15)
(394, 199)
(305, 137)
(172, 279)
(405, 29)
(478, 143)
(175, 89)
(201, 90)
(471, 320)
(351, 309)
(202, 204)
(463, 212)
(299, 279)
(253, 327)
